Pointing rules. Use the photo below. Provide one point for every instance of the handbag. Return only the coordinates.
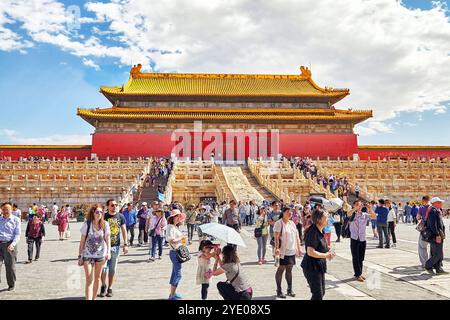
(259, 230)
(272, 241)
(426, 235)
(152, 231)
(183, 254)
(421, 225)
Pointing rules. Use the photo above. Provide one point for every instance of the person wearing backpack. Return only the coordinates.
(94, 249)
(357, 224)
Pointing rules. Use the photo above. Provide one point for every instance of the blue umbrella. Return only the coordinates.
(224, 233)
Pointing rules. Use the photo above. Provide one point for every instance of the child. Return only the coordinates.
(34, 234)
(204, 269)
(327, 230)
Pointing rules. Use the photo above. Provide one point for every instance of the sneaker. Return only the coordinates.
(151, 259)
(260, 262)
(430, 271)
(360, 279)
(394, 245)
(338, 240)
(380, 247)
(102, 292)
(28, 261)
(36, 259)
(441, 272)
(281, 295)
(173, 298)
(110, 293)
(387, 247)
(159, 257)
(178, 296)
(11, 288)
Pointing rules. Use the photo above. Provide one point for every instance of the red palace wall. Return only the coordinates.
(140, 144)
(15, 154)
(373, 154)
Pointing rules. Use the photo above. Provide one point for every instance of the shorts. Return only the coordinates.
(93, 260)
(374, 224)
(287, 260)
(111, 265)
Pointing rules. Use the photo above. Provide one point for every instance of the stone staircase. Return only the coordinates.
(150, 193)
(267, 195)
(221, 179)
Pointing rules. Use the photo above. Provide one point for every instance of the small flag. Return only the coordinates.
(161, 196)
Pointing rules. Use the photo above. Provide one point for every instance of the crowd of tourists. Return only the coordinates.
(292, 231)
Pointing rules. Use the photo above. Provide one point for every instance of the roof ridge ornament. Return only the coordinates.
(305, 72)
(136, 70)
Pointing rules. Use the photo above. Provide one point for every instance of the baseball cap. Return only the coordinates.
(144, 204)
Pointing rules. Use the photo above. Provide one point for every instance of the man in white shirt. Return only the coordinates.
(16, 212)
(392, 221)
(54, 211)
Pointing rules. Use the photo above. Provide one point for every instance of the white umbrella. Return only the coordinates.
(222, 232)
(334, 204)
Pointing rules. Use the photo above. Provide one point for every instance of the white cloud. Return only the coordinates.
(374, 127)
(15, 138)
(90, 63)
(392, 58)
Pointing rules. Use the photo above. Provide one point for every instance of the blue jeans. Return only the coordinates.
(157, 240)
(175, 277)
(111, 265)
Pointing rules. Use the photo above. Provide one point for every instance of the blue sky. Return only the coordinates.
(47, 71)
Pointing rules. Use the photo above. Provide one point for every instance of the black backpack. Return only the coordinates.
(346, 226)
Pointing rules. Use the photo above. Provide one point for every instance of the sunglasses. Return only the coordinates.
(113, 205)
(98, 211)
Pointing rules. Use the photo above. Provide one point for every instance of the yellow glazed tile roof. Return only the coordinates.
(223, 114)
(225, 85)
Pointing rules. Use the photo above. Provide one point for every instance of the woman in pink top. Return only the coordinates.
(63, 221)
(156, 231)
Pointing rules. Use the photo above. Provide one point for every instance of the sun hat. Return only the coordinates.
(436, 199)
(176, 212)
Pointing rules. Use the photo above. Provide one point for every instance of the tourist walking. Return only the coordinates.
(392, 222)
(117, 225)
(261, 233)
(414, 212)
(314, 263)
(297, 219)
(94, 249)
(16, 212)
(338, 218)
(287, 247)
(382, 215)
(237, 286)
(327, 230)
(175, 237)
(422, 218)
(54, 211)
(158, 223)
(130, 215)
(358, 221)
(436, 229)
(407, 211)
(231, 217)
(204, 267)
(9, 238)
(191, 216)
(34, 233)
(63, 222)
(142, 218)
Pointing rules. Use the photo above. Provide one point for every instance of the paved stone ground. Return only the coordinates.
(392, 273)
